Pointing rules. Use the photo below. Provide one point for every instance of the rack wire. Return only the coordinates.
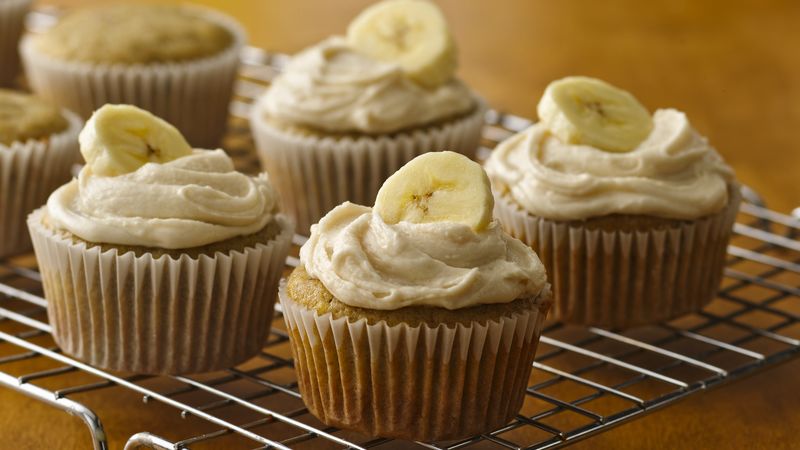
(584, 380)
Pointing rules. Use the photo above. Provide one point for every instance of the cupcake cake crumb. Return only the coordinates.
(134, 34)
(24, 117)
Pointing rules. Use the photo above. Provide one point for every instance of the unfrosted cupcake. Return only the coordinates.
(12, 23)
(348, 112)
(178, 62)
(418, 319)
(158, 258)
(630, 213)
(38, 145)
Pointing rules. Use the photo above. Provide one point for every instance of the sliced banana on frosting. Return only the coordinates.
(119, 139)
(411, 33)
(437, 187)
(588, 111)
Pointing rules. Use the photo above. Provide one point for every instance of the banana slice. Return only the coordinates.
(583, 110)
(437, 187)
(119, 139)
(411, 33)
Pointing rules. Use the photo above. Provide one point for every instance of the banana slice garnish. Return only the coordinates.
(437, 187)
(119, 139)
(411, 33)
(588, 111)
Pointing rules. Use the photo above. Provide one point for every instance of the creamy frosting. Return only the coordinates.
(332, 87)
(674, 173)
(365, 262)
(191, 201)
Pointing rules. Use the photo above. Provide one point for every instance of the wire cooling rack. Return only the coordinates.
(585, 380)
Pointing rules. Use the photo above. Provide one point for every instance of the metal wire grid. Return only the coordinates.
(584, 380)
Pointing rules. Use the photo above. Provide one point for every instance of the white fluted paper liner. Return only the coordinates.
(192, 95)
(12, 22)
(621, 279)
(29, 172)
(159, 315)
(315, 174)
(421, 383)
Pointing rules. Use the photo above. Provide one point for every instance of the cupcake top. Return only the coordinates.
(24, 117)
(394, 70)
(143, 185)
(429, 241)
(597, 151)
(134, 34)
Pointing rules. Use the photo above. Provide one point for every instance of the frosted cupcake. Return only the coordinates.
(178, 62)
(348, 112)
(12, 23)
(630, 212)
(419, 318)
(38, 145)
(158, 258)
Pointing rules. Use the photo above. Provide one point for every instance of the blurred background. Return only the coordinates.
(732, 66)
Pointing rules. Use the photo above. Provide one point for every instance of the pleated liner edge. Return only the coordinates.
(159, 315)
(421, 383)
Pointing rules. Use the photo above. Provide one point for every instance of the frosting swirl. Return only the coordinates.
(674, 173)
(365, 262)
(332, 87)
(188, 202)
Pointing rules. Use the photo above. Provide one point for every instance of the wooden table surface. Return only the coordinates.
(731, 65)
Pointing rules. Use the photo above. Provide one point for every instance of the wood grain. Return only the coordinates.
(731, 65)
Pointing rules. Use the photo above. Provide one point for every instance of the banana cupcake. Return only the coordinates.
(178, 62)
(12, 23)
(348, 112)
(158, 258)
(38, 146)
(418, 318)
(630, 212)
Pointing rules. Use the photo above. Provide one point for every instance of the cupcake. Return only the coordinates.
(349, 111)
(158, 258)
(178, 62)
(38, 145)
(12, 23)
(630, 212)
(418, 318)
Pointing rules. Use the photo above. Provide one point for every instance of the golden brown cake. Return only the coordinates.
(178, 62)
(622, 271)
(414, 393)
(311, 293)
(38, 146)
(134, 34)
(24, 117)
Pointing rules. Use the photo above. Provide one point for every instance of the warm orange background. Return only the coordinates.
(732, 66)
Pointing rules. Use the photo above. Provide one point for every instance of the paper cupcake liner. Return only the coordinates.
(12, 22)
(193, 95)
(621, 279)
(314, 174)
(421, 383)
(29, 172)
(158, 315)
